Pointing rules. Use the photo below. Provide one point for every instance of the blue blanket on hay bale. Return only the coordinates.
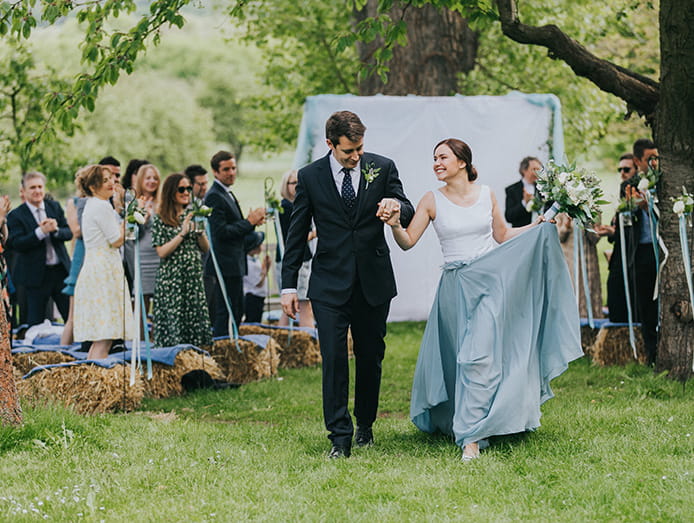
(164, 355)
(604, 322)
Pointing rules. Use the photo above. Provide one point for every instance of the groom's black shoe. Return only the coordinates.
(364, 437)
(339, 451)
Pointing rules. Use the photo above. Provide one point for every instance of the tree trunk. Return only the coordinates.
(10, 411)
(440, 46)
(673, 132)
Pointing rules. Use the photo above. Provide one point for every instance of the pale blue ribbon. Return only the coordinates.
(578, 242)
(141, 298)
(233, 330)
(625, 277)
(686, 259)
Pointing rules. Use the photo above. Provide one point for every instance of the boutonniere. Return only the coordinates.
(370, 172)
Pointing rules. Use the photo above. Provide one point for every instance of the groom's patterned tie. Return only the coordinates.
(347, 188)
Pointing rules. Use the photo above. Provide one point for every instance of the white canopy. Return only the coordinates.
(501, 130)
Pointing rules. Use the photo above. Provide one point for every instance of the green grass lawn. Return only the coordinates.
(615, 444)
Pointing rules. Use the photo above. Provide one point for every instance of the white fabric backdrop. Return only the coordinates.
(500, 130)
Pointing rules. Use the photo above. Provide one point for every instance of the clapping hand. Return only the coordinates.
(5, 206)
(186, 226)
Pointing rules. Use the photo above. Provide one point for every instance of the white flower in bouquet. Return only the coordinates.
(575, 192)
(683, 204)
(139, 217)
(643, 184)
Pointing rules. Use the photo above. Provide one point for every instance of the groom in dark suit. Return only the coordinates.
(38, 231)
(352, 280)
(228, 228)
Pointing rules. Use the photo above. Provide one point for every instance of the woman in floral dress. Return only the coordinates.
(180, 309)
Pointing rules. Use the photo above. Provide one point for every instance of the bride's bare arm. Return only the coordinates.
(407, 238)
(500, 230)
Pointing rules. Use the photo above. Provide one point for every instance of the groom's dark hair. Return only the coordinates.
(344, 123)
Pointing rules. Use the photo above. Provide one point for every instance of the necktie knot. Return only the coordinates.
(348, 194)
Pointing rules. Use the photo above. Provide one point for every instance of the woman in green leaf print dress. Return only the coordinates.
(180, 310)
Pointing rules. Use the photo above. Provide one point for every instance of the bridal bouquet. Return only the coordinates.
(573, 191)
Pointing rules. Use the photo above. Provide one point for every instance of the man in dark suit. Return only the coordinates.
(228, 228)
(640, 256)
(352, 281)
(37, 232)
(520, 193)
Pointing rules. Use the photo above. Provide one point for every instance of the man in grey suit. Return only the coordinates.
(228, 229)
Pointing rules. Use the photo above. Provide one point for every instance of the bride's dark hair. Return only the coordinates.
(463, 152)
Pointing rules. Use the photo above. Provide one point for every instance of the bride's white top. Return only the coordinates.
(465, 233)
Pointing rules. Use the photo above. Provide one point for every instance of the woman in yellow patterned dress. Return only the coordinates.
(102, 302)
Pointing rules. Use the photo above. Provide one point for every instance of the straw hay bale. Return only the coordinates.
(250, 362)
(166, 379)
(298, 348)
(612, 347)
(25, 361)
(88, 388)
(588, 336)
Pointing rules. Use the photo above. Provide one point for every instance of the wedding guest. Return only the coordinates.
(118, 198)
(288, 193)
(38, 232)
(73, 213)
(102, 303)
(616, 295)
(147, 183)
(228, 228)
(180, 312)
(197, 175)
(130, 176)
(5, 206)
(493, 340)
(254, 283)
(520, 193)
(639, 252)
(352, 282)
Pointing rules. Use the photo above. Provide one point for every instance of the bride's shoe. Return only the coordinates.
(471, 451)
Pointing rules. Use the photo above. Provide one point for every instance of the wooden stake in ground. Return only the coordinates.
(10, 411)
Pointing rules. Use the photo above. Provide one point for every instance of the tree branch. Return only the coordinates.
(641, 93)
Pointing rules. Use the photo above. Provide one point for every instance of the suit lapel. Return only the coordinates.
(328, 183)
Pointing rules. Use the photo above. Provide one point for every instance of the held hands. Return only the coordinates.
(290, 304)
(256, 216)
(387, 208)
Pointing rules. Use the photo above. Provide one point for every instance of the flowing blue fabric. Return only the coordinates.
(501, 327)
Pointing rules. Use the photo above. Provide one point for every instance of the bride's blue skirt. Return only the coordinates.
(501, 327)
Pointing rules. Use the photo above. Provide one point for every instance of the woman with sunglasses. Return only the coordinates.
(180, 309)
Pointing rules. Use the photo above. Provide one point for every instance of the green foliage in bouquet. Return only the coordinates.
(272, 203)
(133, 212)
(198, 208)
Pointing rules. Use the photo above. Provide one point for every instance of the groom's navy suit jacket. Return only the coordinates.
(351, 243)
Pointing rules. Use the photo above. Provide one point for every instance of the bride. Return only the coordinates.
(504, 320)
